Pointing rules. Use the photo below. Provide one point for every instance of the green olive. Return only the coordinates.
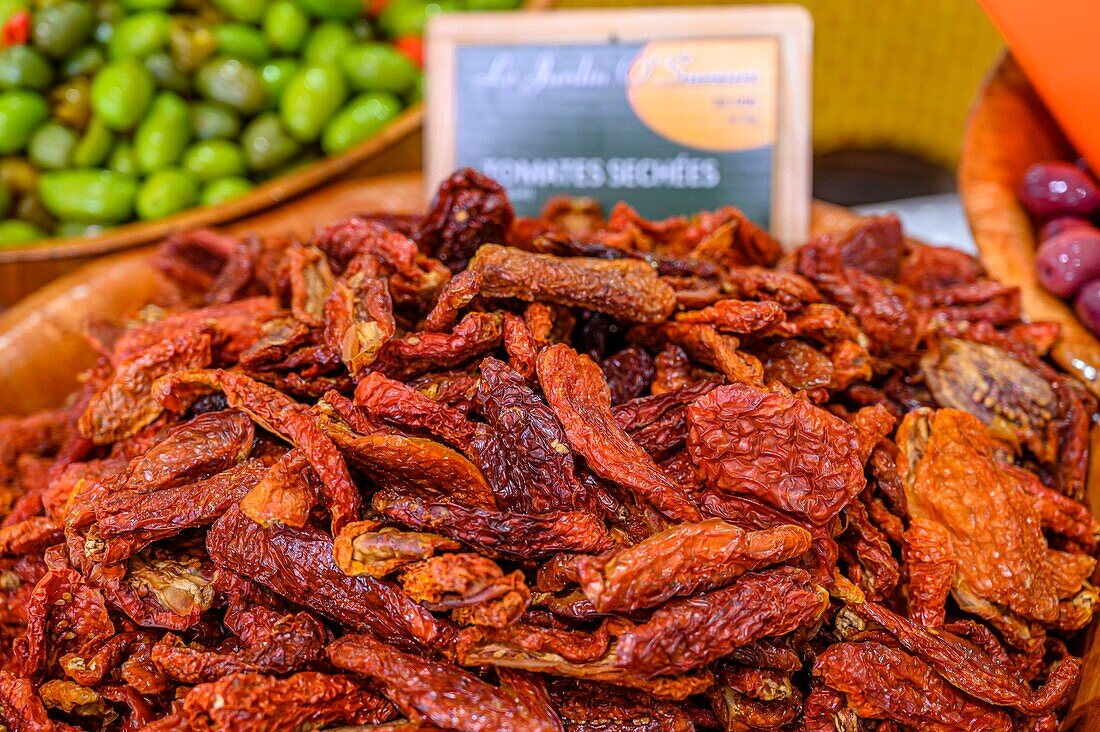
(166, 192)
(140, 35)
(88, 195)
(14, 231)
(210, 120)
(24, 67)
(326, 42)
(71, 102)
(5, 200)
(147, 4)
(94, 146)
(9, 8)
(242, 40)
(232, 81)
(164, 133)
(275, 74)
(250, 11)
(76, 228)
(86, 61)
(18, 175)
(403, 18)
(30, 208)
(20, 114)
(363, 117)
(51, 146)
(121, 93)
(108, 14)
(416, 94)
(123, 160)
(166, 74)
(191, 43)
(310, 98)
(362, 29)
(285, 26)
(266, 144)
(333, 9)
(224, 189)
(212, 159)
(60, 29)
(378, 67)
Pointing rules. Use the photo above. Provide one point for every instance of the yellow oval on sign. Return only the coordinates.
(712, 94)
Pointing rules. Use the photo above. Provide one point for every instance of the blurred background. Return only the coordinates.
(893, 82)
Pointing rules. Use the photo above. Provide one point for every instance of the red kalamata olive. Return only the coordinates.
(1058, 224)
(1068, 260)
(1087, 306)
(1056, 188)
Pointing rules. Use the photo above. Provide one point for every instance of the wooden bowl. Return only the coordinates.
(397, 147)
(1010, 129)
(40, 337)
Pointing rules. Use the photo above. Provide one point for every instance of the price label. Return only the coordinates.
(672, 111)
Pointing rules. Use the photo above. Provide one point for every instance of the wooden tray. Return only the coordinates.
(1010, 129)
(41, 350)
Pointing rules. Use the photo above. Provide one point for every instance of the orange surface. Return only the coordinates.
(1055, 42)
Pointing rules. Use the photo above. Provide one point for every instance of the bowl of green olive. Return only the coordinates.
(124, 120)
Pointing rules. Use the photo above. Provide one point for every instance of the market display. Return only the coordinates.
(112, 111)
(471, 471)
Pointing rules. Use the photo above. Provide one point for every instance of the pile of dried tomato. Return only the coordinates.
(468, 471)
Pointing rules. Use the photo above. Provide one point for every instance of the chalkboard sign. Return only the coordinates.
(672, 110)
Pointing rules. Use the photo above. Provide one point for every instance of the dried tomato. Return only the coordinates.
(688, 633)
(442, 693)
(474, 588)
(969, 669)
(415, 354)
(579, 396)
(286, 493)
(272, 643)
(361, 603)
(779, 449)
(280, 415)
(125, 404)
(683, 560)
(951, 475)
(625, 289)
(628, 372)
(880, 682)
(468, 211)
(509, 534)
(525, 453)
(622, 475)
(365, 548)
(257, 701)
